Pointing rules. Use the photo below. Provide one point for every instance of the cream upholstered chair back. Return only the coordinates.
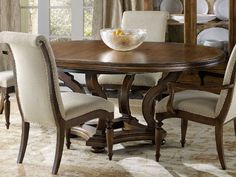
(227, 96)
(37, 82)
(155, 22)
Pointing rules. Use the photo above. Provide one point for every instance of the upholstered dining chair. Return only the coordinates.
(38, 95)
(7, 82)
(201, 106)
(155, 22)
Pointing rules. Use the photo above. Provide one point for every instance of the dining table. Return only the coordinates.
(93, 57)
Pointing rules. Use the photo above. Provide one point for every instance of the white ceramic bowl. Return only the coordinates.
(125, 41)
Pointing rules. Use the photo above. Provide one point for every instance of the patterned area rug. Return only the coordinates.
(132, 159)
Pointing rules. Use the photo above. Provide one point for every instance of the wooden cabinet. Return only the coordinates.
(190, 32)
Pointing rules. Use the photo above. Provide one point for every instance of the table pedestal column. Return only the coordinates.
(132, 130)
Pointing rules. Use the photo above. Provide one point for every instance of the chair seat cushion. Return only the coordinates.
(193, 101)
(7, 79)
(76, 104)
(148, 79)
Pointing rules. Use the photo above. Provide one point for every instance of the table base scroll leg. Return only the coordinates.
(148, 107)
(70, 82)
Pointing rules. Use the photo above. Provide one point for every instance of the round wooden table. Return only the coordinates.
(94, 57)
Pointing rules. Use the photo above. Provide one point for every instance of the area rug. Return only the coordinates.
(132, 159)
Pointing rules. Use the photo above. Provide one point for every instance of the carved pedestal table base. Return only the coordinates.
(92, 57)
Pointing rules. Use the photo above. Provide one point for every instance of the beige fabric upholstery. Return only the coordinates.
(193, 101)
(149, 79)
(154, 22)
(76, 104)
(7, 79)
(156, 31)
(228, 74)
(33, 78)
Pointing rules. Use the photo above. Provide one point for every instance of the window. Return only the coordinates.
(69, 19)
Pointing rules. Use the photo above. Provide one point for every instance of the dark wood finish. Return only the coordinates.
(97, 57)
(235, 127)
(190, 25)
(2, 103)
(68, 135)
(109, 139)
(148, 4)
(5, 103)
(94, 57)
(59, 148)
(149, 99)
(232, 25)
(184, 126)
(219, 144)
(61, 124)
(124, 96)
(24, 141)
(158, 139)
(67, 78)
(93, 85)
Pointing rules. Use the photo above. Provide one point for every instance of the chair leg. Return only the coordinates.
(109, 139)
(219, 144)
(59, 149)
(2, 100)
(158, 138)
(68, 134)
(7, 109)
(235, 127)
(184, 126)
(24, 141)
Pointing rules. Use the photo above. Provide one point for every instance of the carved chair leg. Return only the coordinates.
(109, 139)
(68, 134)
(2, 100)
(158, 138)
(184, 126)
(235, 127)
(219, 144)
(7, 109)
(24, 141)
(59, 149)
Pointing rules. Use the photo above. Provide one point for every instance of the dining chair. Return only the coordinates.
(40, 100)
(7, 82)
(155, 22)
(199, 105)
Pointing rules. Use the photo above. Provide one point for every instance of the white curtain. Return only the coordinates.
(108, 13)
(9, 21)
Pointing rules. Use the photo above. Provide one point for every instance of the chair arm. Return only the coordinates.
(172, 85)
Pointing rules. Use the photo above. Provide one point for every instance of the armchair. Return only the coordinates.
(198, 105)
(40, 100)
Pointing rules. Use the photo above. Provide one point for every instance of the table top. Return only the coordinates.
(149, 57)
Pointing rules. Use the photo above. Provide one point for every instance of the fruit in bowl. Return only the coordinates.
(123, 39)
